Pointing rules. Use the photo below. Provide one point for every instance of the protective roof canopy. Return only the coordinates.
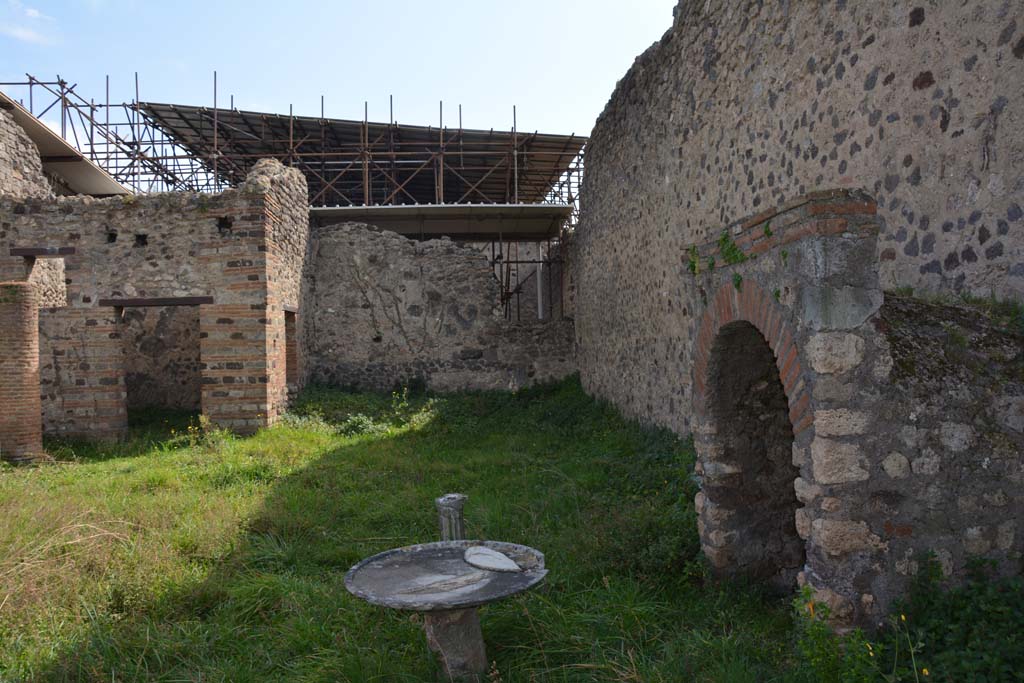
(371, 163)
(462, 222)
(60, 158)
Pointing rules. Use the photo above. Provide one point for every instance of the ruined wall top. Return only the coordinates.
(21, 170)
(268, 174)
(743, 105)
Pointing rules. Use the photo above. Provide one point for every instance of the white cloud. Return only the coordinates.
(24, 34)
(25, 24)
(36, 15)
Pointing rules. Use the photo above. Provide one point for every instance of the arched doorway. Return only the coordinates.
(748, 501)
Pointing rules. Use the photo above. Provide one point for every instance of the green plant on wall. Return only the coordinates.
(777, 294)
(711, 263)
(737, 281)
(785, 256)
(731, 253)
(768, 229)
(693, 259)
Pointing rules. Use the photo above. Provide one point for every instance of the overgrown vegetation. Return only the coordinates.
(974, 632)
(184, 553)
(1006, 314)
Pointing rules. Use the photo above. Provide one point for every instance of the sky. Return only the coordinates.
(557, 61)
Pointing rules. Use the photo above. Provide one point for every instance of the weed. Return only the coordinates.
(693, 260)
(969, 633)
(731, 253)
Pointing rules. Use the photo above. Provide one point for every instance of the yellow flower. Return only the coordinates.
(810, 608)
(903, 617)
(924, 671)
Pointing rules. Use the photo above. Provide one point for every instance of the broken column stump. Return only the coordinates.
(455, 635)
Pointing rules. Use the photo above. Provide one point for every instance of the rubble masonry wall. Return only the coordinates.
(384, 311)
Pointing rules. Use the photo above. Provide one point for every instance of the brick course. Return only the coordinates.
(244, 248)
(21, 435)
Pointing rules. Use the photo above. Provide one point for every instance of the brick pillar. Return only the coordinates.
(21, 422)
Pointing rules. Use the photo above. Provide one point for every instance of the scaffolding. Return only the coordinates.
(116, 137)
(151, 147)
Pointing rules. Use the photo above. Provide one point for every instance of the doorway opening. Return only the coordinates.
(163, 370)
(752, 494)
(291, 350)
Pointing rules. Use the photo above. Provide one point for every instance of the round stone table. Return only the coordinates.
(437, 579)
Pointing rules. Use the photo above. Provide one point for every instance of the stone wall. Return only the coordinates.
(744, 105)
(21, 170)
(21, 175)
(239, 248)
(567, 295)
(839, 436)
(948, 464)
(387, 311)
(162, 362)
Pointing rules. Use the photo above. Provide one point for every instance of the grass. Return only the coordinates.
(185, 554)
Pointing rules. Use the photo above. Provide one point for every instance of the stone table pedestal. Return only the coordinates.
(447, 581)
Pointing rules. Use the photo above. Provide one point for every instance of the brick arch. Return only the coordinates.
(750, 406)
(750, 303)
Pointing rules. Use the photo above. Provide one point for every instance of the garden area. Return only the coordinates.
(184, 553)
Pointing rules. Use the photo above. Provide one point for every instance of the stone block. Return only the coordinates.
(803, 523)
(1009, 412)
(837, 537)
(838, 308)
(927, 464)
(956, 437)
(1005, 534)
(831, 504)
(835, 462)
(975, 541)
(840, 422)
(805, 491)
(896, 465)
(833, 353)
